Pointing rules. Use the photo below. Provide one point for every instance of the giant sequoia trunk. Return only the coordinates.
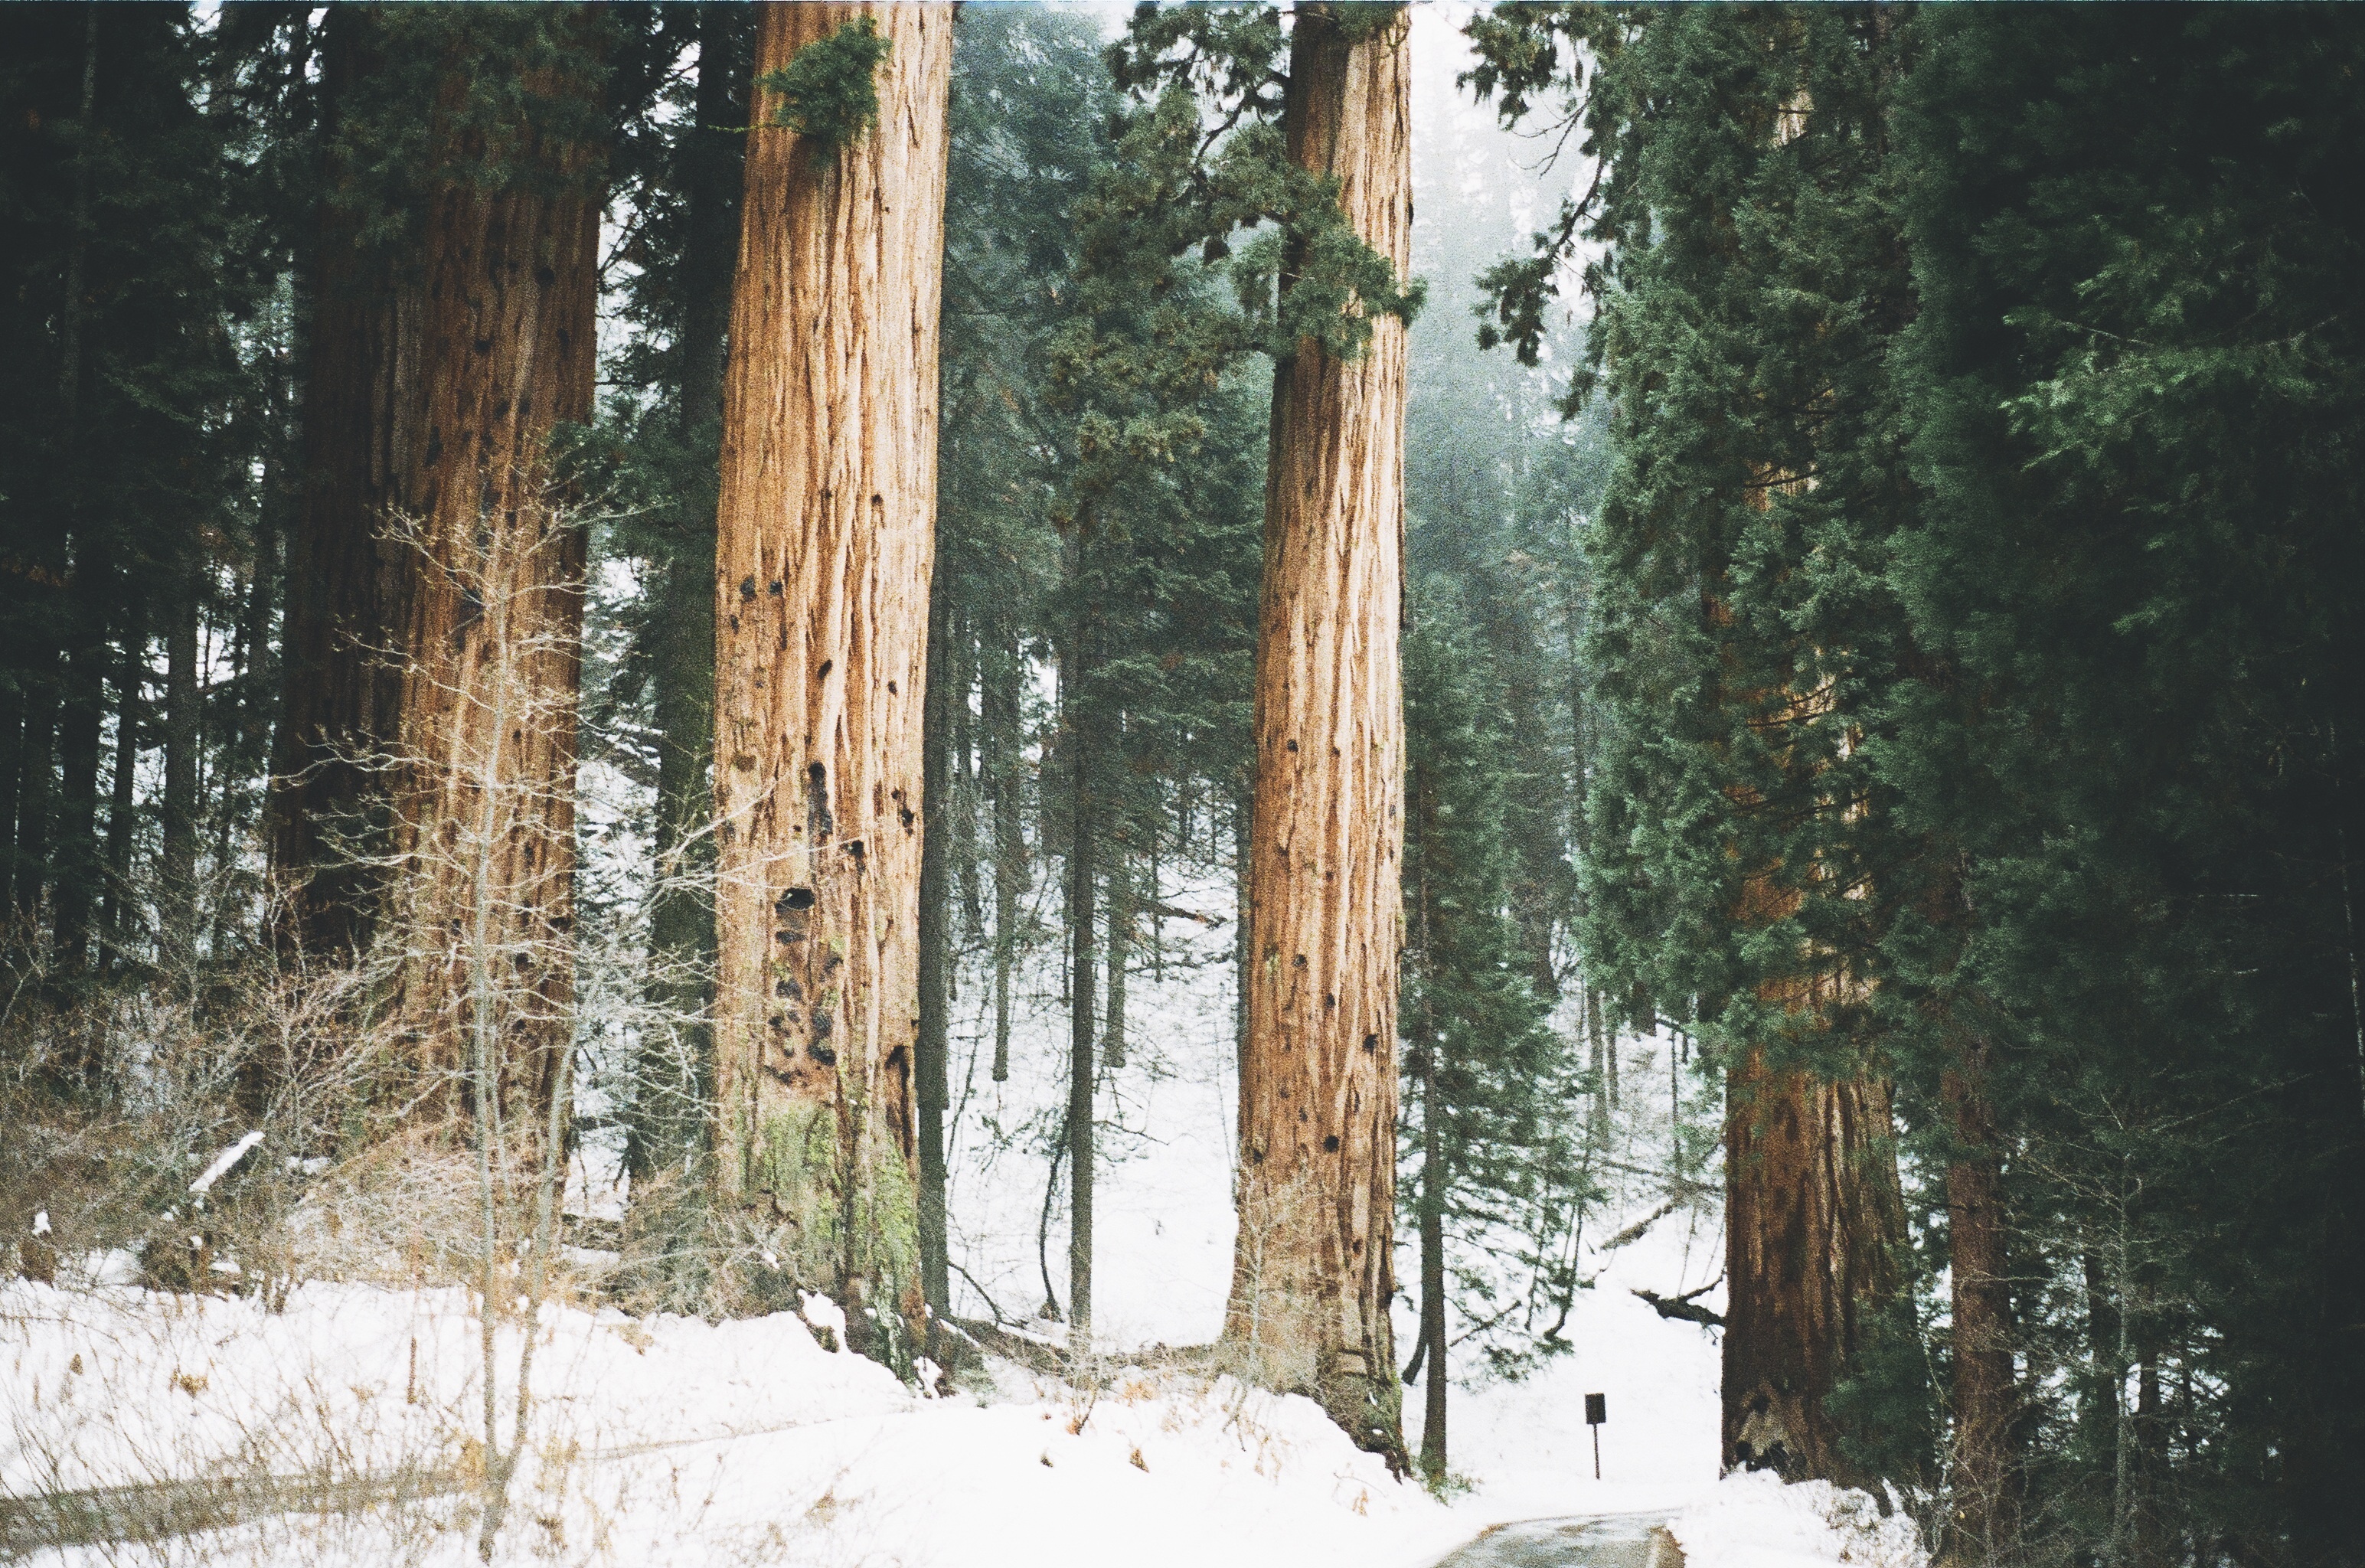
(1982, 1495)
(1813, 1209)
(1812, 1212)
(826, 531)
(340, 685)
(483, 791)
(1812, 1206)
(1311, 1276)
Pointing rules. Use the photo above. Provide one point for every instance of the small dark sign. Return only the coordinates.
(1596, 1409)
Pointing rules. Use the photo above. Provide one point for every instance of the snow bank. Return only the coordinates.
(672, 1441)
(676, 1441)
(1756, 1521)
(122, 1387)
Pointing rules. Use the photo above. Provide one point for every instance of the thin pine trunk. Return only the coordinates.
(1076, 740)
(1432, 1352)
(176, 903)
(1597, 1122)
(1120, 950)
(12, 747)
(254, 664)
(66, 827)
(964, 786)
(1674, 1105)
(1004, 762)
(36, 787)
(2097, 1401)
(1432, 1273)
(934, 961)
(115, 918)
(714, 169)
(1156, 887)
(81, 866)
(2149, 1546)
(70, 305)
(252, 690)
(826, 530)
(2122, 1357)
(676, 1072)
(1312, 1277)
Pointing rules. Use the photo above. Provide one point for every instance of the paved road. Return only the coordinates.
(1590, 1541)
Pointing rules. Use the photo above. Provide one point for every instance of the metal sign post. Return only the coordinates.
(1597, 1413)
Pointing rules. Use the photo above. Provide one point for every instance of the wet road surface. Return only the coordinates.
(1590, 1541)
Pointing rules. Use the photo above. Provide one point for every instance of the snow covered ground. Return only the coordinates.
(670, 1440)
(673, 1440)
(676, 1441)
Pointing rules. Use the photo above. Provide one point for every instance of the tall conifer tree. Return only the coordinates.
(1323, 151)
(1487, 1078)
(2133, 383)
(823, 558)
(490, 634)
(1739, 636)
(1313, 1275)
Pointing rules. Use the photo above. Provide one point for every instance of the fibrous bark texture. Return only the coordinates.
(825, 542)
(1813, 1209)
(482, 782)
(1811, 1212)
(1985, 1399)
(1311, 1276)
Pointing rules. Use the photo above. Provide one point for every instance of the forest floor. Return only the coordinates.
(126, 1413)
(671, 1440)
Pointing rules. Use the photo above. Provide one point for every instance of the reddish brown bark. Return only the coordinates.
(825, 541)
(1982, 1492)
(1814, 1208)
(1812, 1211)
(491, 623)
(1312, 1279)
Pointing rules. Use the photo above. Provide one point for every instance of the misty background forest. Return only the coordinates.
(1306, 726)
